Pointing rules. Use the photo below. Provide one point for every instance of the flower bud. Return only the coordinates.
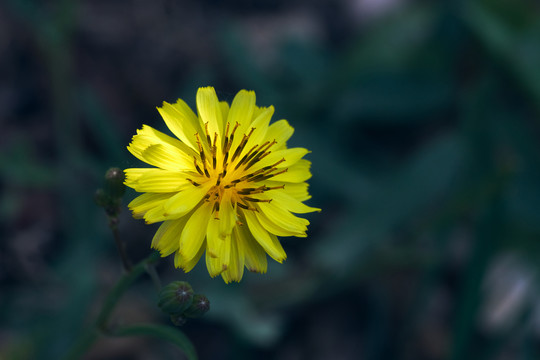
(114, 182)
(178, 320)
(100, 198)
(176, 297)
(199, 306)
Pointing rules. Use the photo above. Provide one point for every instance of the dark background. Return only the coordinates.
(423, 121)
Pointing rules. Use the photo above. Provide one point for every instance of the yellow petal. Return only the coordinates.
(145, 202)
(260, 125)
(168, 158)
(224, 111)
(167, 238)
(154, 136)
(286, 201)
(138, 144)
(157, 214)
(227, 216)
(159, 233)
(182, 121)
(269, 242)
(213, 265)
(241, 112)
(194, 232)
(183, 202)
(299, 191)
(254, 254)
(280, 131)
(187, 266)
(212, 237)
(299, 172)
(283, 218)
(235, 271)
(161, 181)
(218, 244)
(156, 240)
(132, 175)
(148, 136)
(274, 228)
(210, 111)
(258, 111)
(291, 156)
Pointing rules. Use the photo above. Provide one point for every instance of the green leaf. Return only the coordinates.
(162, 332)
(516, 48)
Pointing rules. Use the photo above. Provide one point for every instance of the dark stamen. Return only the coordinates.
(203, 155)
(266, 188)
(262, 170)
(225, 157)
(227, 130)
(247, 207)
(256, 200)
(197, 166)
(242, 144)
(215, 210)
(245, 191)
(260, 153)
(259, 158)
(233, 131)
(199, 142)
(207, 134)
(244, 158)
(263, 177)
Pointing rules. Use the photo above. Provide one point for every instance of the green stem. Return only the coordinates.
(125, 281)
(151, 270)
(162, 332)
(90, 336)
(84, 342)
(113, 224)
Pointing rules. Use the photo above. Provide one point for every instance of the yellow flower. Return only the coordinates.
(228, 185)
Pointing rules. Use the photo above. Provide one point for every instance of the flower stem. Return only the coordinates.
(113, 224)
(86, 340)
(151, 270)
(125, 281)
(162, 332)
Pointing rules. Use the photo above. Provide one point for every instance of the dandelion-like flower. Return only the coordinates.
(227, 187)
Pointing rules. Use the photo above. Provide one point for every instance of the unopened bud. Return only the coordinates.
(114, 182)
(176, 297)
(101, 198)
(178, 320)
(199, 306)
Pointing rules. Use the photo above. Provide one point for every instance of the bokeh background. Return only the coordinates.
(423, 118)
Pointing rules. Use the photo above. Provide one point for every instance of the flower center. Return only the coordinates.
(233, 176)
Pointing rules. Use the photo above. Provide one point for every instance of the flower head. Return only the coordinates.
(226, 188)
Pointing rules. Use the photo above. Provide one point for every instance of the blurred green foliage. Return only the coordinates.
(424, 130)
